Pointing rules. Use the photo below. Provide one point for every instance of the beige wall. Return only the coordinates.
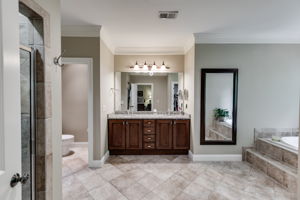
(189, 85)
(88, 47)
(268, 88)
(75, 101)
(107, 94)
(160, 90)
(175, 62)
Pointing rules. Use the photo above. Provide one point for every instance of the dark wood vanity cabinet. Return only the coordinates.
(134, 134)
(181, 134)
(117, 134)
(148, 136)
(125, 134)
(164, 136)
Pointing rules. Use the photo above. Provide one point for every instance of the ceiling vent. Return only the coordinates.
(168, 14)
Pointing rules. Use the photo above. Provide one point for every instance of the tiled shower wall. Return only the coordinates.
(37, 35)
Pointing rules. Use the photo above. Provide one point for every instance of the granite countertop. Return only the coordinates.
(148, 116)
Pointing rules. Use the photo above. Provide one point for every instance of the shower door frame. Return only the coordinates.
(32, 116)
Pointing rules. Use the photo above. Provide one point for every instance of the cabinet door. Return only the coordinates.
(134, 134)
(181, 134)
(164, 134)
(116, 134)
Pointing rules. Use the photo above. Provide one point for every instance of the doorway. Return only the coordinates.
(77, 103)
(141, 97)
(174, 96)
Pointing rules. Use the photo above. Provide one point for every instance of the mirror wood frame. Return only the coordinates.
(204, 71)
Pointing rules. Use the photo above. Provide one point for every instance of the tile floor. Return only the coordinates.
(164, 178)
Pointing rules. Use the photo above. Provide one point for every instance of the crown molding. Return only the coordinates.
(219, 38)
(189, 44)
(104, 36)
(80, 31)
(149, 51)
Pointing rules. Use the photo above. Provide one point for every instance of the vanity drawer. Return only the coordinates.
(149, 145)
(149, 138)
(149, 130)
(149, 122)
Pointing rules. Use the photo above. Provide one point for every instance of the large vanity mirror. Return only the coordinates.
(218, 106)
(160, 92)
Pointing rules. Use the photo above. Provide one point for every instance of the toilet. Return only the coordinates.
(67, 141)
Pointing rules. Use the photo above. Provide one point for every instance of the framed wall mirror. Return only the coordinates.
(219, 88)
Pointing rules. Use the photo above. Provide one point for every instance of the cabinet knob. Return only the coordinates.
(149, 138)
(148, 146)
(148, 130)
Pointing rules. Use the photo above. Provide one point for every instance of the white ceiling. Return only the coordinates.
(134, 24)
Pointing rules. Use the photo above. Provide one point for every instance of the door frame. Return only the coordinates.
(89, 62)
(172, 94)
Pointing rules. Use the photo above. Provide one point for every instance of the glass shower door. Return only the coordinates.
(27, 119)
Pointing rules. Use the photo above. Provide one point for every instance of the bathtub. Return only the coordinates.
(67, 141)
(292, 141)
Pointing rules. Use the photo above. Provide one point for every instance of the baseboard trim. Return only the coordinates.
(104, 158)
(95, 164)
(99, 163)
(215, 157)
(79, 144)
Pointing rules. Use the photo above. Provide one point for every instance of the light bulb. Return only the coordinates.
(154, 67)
(145, 66)
(163, 67)
(136, 66)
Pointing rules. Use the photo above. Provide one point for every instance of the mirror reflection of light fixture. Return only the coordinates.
(136, 66)
(145, 66)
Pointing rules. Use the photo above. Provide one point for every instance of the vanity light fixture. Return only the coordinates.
(149, 68)
(163, 67)
(154, 67)
(136, 66)
(145, 66)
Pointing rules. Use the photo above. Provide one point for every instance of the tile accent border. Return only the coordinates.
(215, 157)
(44, 152)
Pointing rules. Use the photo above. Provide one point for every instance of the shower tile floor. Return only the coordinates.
(163, 178)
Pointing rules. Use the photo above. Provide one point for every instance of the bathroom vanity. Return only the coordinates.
(148, 134)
